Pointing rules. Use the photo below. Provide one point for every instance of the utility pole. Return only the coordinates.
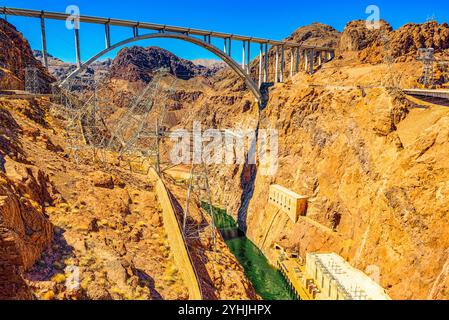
(426, 55)
(199, 183)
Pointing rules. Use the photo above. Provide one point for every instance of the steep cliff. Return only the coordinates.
(372, 164)
(16, 55)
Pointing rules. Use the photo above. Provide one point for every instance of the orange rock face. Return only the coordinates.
(25, 231)
(16, 55)
(372, 162)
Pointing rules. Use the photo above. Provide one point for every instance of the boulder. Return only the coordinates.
(96, 292)
(25, 232)
(102, 180)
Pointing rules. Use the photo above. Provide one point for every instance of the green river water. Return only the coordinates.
(266, 280)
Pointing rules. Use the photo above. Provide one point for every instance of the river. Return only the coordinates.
(266, 280)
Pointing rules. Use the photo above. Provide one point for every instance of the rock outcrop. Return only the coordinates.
(317, 34)
(97, 71)
(213, 65)
(411, 37)
(25, 231)
(16, 56)
(139, 64)
(375, 45)
(356, 36)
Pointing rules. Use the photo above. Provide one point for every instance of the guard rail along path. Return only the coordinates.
(176, 239)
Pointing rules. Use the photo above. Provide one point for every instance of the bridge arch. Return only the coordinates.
(252, 86)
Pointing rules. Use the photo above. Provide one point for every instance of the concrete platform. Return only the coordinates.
(427, 93)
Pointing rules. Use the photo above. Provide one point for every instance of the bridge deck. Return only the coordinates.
(153, 26)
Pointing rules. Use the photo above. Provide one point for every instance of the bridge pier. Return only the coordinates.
(320, 58)
(207, 39)
(107, 35)
(265, 79)
(136, 31)
(244, 55)
(282, 63)
(276, 73)
(77, 47)
(297, 59)
(306, 60)
(248, 55)
(260, 64)
(44, 42)
(312, 60)
(292, 61)
(230, 46)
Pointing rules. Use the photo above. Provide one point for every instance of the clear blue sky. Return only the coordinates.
(267, 19)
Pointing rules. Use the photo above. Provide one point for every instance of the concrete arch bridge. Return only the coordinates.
(198, 37)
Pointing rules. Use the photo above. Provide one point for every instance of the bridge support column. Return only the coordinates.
(230, 46)
(265, 75)
(297, 59)
(311, 60)
(44, 43)
(107, 35)
(276, 72)
(306, 60)
(77, 48)
(248, 58)
(320, 58)
(136, 31)
(260, 64)
(282, 63)
(244, 55)
(292, 61)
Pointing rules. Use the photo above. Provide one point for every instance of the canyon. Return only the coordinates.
(371, 161)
